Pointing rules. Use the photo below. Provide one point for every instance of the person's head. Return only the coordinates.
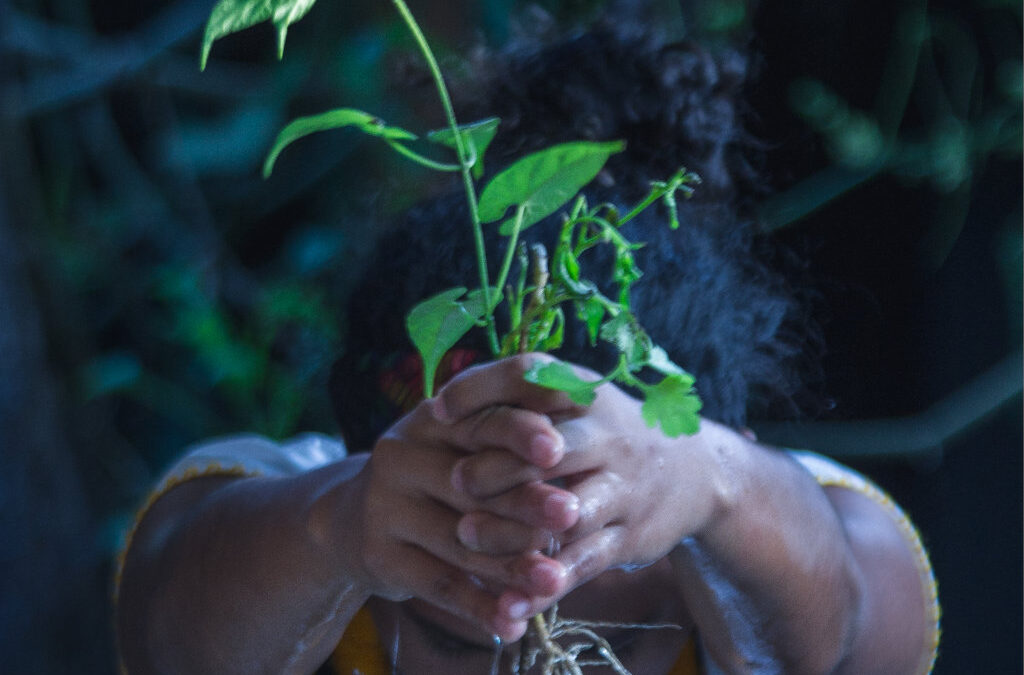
(705, 296)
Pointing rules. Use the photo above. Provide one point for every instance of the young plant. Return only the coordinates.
(531, 189)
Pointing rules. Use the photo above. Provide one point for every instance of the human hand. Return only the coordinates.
(410, 508)
(640, 492)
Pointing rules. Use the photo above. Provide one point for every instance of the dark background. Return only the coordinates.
(155, 291)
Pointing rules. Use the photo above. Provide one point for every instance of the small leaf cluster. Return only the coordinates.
(670, 404)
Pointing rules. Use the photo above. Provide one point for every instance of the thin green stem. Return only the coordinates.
(624, 375)
(460, 151)
(659, 190)
(510, 252)
(656, 192)
(420, 159)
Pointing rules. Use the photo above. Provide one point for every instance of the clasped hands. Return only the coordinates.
(464, 496)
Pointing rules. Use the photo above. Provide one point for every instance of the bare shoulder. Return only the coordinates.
(899, 613)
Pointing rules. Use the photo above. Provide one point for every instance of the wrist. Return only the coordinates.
(333, 521)
(723, 477)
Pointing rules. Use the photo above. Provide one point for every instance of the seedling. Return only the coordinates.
(548, 282)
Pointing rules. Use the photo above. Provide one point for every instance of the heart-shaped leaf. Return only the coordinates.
(231, 16)
(332, 119)
(544, 181)
(437, 323)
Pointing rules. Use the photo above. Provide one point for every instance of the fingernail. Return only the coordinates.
(438, 410)
(517, 609)
(467, 535)
(546, 574)
(559, 504)
(544, 449)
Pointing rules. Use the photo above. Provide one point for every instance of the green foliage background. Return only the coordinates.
(178, 295)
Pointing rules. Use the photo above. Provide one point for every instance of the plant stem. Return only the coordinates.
(659, 190)
(420, 159)
(513, 241)
(460, 151)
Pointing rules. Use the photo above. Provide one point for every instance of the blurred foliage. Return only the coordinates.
(185, 297)
(939, 114)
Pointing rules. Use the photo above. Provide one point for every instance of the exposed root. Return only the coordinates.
(542, 643)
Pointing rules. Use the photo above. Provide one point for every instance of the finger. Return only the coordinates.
(485, 533)
(515, 606)
(536, 504)
(491, 472)
(433, 528)
(599, 506)
(525, 433)
(586, 558)
(455, 590)
(416, 469)
(500, 382)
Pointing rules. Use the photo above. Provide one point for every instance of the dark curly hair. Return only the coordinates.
(706, 296)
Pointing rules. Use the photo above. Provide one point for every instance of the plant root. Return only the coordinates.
(542, 644)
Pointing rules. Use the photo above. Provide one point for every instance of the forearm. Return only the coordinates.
(771, 580)
(236, 575)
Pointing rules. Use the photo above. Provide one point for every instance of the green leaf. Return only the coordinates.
(566, 269)
(437, 323)
(556, 335)
(561, 376)
(626, 272)
(479, 136)
(546, 332)
(591, 311)
(232, 16)
(672, 405)
(659, 360)
(544, 181)
(625, 333)
(332, 119)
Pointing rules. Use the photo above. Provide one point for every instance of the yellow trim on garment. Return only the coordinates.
(831, 474)
(169, 483)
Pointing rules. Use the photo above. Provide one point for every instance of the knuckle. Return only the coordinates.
(374, 566)
(518, 364)
(471, 476)
(483, 420)
(387, 452)
(462, 556)
(590, 563)
(444, 587)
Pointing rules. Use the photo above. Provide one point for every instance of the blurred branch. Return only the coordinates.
(813, 193)
(920, 436)
(901, 68)
(92, 64)
(48, 559)
(28, 36)
(936, 61)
